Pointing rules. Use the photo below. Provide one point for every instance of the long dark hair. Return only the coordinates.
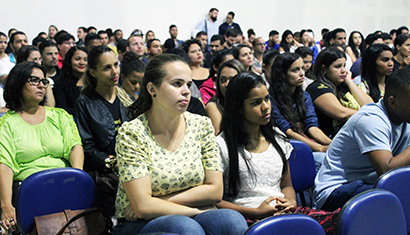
(304, 52)
(369, 68)
(283, 43)
(90, 82)
(219, 97)
(155, 73)
(362, 45)
(69, 80)
(25, 52)
(282, 94)
(236, 51)
(326, 57)
(232, 125)
(15, 83)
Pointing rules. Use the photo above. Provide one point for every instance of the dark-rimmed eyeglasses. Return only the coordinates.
(35, 81)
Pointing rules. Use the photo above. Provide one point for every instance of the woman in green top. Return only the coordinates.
(33, 137)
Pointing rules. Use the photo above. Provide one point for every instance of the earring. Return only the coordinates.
(155, 95)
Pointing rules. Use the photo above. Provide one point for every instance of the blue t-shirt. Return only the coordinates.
(346, 159)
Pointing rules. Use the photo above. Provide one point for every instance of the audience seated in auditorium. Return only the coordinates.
(373, 141)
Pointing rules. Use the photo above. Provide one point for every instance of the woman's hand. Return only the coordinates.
(348, 78)
(265, 209)
(129, 214)
(8, 218)
(405, 62)
(285, 206)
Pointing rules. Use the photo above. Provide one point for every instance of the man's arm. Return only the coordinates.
(383, 160)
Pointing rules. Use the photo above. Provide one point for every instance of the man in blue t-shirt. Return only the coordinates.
(229, 24)
(374, 140)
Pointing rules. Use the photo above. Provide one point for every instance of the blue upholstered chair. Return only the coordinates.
(397, 181)
(53, 191)
(302, 169)
(288, 224)
(375, 212)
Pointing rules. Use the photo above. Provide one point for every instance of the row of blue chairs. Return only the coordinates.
(374, 212)
(55, 190)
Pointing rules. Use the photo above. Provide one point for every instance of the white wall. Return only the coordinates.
(33, 16)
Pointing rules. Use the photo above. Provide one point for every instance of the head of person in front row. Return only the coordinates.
(377, 65)
(33, 137)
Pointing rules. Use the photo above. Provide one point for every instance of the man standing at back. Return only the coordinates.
(229, 24)
(173, 32)
(373, 141)
(209, 25)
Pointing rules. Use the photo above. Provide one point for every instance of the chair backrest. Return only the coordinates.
(53, 191)
(397, 182)
(376, 212)
(302, 166)
(288, 224)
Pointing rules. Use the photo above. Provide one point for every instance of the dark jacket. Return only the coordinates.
(96, 127)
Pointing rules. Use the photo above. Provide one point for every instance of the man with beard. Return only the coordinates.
(230, 38)
(173, 32)
(228, 24)
(49, 57)
(209, 25)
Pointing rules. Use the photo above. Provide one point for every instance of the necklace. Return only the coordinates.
(252, 145)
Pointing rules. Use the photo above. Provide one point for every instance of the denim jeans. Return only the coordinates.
(342, 194)
(213, 222)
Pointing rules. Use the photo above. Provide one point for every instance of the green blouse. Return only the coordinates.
(28, 149)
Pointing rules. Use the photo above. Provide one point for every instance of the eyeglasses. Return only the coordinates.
(260, 44)
(35, 81)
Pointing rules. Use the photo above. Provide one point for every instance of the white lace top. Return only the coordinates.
(267, 167)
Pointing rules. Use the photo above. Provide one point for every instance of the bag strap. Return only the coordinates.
(85, 212)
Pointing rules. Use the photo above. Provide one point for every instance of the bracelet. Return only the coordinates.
(110, 161)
